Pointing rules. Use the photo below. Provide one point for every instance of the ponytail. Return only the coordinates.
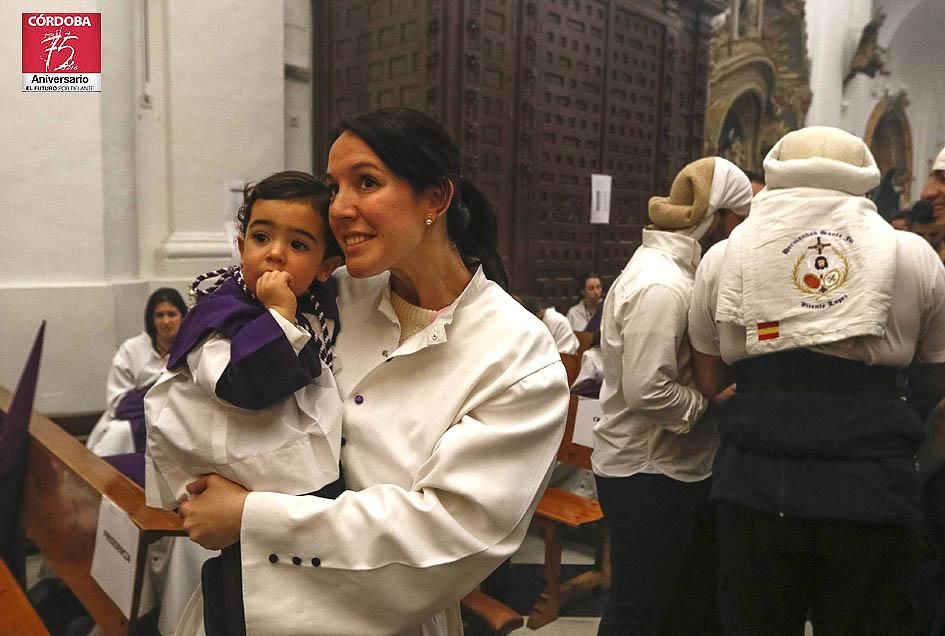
(471, 224)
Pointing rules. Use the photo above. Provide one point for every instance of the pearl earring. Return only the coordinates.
(429, 221)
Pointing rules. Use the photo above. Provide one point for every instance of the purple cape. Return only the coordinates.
(263, 368)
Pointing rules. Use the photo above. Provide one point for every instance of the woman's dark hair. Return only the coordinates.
(291, 185)
(530, 303)
(582, 281)
(921, 213)
(161, 295)
(416, 148)
(757, 177)
(885, 196)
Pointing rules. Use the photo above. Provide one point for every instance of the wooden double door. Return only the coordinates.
(539, 94)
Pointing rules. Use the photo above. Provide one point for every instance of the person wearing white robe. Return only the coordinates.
(560, 330)
(454, 404)
(591, 297)
(653, 449)
(813, 307)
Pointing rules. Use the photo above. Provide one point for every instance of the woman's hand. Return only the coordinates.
(213, 514)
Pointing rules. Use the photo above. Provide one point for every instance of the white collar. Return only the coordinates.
(680, 246)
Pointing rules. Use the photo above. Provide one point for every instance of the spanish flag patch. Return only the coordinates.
(768, 331)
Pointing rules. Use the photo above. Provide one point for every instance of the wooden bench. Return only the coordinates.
(572, 366)
(78, 424)
(585, 341)
(497, 617)
(556, 510)
(65, 482)
(17, 616)
(62, 490)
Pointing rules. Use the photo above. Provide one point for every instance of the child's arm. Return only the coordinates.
(273, 291)
(259, 367)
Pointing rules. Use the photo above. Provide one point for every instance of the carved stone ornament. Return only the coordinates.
(868, 58)
(888, 133)
(759, 79)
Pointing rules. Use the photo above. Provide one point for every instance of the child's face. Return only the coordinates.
(285, 236)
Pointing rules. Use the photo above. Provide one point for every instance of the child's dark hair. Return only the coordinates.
(290, 185)
(415, 147)
(161, 295)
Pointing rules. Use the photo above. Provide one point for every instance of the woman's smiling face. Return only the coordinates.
(375, 214)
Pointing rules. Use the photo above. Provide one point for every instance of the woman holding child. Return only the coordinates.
(454, 399)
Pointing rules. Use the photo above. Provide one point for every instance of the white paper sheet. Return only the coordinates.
(115, 555)
(600, 197)
(589, 413)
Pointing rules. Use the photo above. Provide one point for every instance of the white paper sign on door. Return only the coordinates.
(589, 413)
(600, 197)
(115, 555)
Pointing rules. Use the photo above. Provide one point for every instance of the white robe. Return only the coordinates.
(450, 441)
(135, 366)
(290, 447)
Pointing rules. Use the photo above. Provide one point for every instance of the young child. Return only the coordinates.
(248, 392)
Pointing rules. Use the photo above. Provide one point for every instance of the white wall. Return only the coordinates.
(917, 61)
(52, 173)
(298, 88)
(223, 102)
(110, 195)
(833, 29)
(911, 32)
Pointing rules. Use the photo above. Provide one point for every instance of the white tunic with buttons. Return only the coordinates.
(449, 441)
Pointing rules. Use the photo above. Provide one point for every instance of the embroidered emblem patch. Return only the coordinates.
(821, 269)
(768, 330)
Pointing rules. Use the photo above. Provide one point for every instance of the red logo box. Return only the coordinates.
(56, 43)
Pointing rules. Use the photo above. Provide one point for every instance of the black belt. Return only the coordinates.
(805, 370)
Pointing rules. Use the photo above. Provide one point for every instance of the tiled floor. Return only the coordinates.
(33, 565)
(566, 626)
(532, 551)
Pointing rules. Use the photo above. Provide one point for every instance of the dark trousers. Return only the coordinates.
(664, 557)
(852, 577)
(222, 581)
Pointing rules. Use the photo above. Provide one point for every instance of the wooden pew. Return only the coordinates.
(17, 616)
(65, 482)
(495, 615)
(78, 424)
(585, 341)
(62, 490)
(572, 366)
(557, 509)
